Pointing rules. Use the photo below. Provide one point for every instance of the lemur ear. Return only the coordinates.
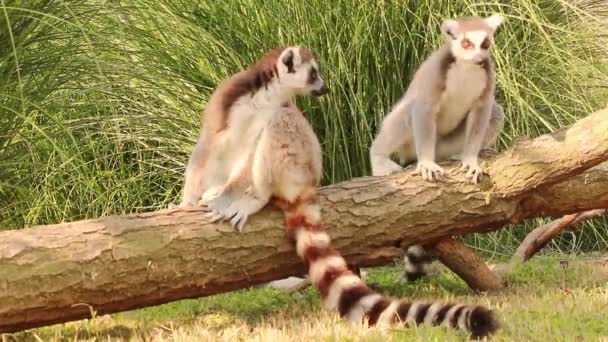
(450, 27)
(494, 21)
(288, 61)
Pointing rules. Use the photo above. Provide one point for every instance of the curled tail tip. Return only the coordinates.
(482, 322)
(345, 292)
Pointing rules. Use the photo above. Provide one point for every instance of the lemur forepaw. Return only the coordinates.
(185, 206)
(234, 209)
(473, 170)
(239, 220)
(429, 170)
(385, 168)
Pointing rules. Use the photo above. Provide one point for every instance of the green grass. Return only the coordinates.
(552, 298)
(99, 100)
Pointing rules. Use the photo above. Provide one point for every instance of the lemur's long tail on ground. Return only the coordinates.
(344, 291)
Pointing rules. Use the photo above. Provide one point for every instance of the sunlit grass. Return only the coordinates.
(549, 299)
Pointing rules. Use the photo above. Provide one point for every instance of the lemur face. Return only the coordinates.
(471, 39)
(298, 70)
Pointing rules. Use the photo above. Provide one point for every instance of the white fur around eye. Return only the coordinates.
(477, 37)
(450, 26)
(475, 53)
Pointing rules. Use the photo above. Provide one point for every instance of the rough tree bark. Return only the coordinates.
(119, 263)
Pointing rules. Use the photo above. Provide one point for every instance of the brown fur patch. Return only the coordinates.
(446, 62)
(280, 203)
(330, 275)
(290, 234)
(307, 197)
(486, 64)
(292, 224)
(295, 222)
(314, 253)
(441, 314)
(306, 55)
(249, 81)
(294, 219)
(473, 24)
(374, 313)
(454, 319)
(421, 313)
(311, 227)
(351, 296)
(402, 310)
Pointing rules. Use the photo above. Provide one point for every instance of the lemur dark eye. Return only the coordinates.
(486, 43)
(466, 44)
(313, 74)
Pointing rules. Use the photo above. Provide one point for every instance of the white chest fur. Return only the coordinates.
(248, 117)
(465, 82)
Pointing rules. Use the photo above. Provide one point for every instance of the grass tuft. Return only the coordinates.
(553, 298)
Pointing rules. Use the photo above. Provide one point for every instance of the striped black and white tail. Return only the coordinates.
(416, 263)
(345, 292)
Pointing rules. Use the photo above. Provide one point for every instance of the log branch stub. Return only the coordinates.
(539, 237)
(463, 261)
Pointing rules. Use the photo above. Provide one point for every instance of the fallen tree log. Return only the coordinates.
(57, 273)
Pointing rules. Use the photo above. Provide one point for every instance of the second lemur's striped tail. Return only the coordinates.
(345, 292)
(416, 263)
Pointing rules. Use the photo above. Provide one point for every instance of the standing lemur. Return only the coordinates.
(448, 111)
(257, 147)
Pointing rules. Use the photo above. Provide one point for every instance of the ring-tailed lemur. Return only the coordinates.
(233, 121)
(283, 165)
(448, 111)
